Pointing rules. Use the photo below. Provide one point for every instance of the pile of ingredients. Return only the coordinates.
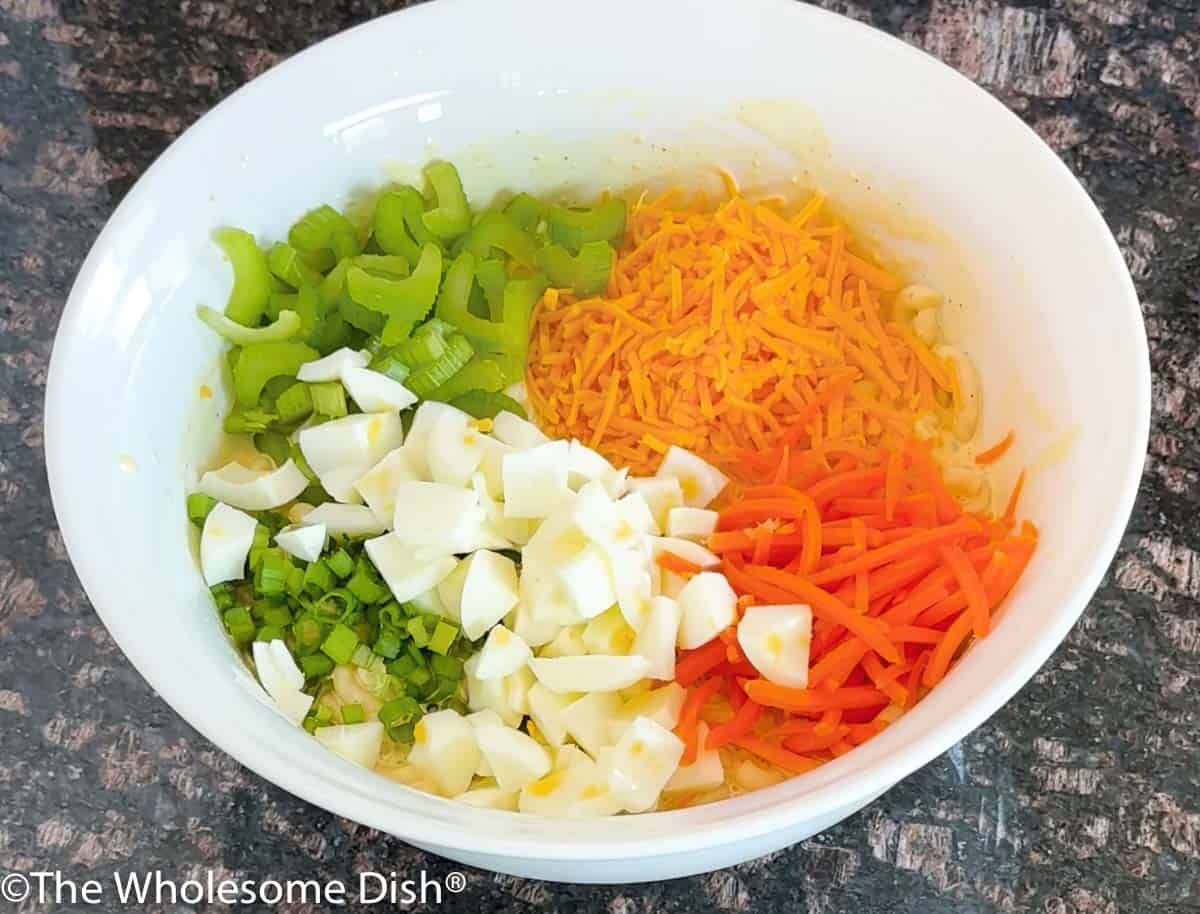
(580, 511)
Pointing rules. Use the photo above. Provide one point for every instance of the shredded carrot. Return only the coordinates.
(669, 561)
(699, 662)
(689, 716)
(776, 755)
(996, 451)
(739, 725)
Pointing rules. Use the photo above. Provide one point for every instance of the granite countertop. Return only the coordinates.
(1081, 797)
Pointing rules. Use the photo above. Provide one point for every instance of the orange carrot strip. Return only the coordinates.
(814, 742)
(837, 663)
(943, 653)
(698, 662)
(689, 716)
(671, 562)
(996, 451)
(886, 684)
(902, 549)
(782, 758)
(847, 698)
(1010, 509)
(972, 588)
(893, 484)
(739, 725)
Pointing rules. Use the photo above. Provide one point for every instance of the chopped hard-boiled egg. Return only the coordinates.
(517, 432)
(534, 630)
(406, 573)
(633, 581)
(574, 788)
(281, 679)
(437, 516)
(417, 442)
(546, 709)
(690, 552)
(375, 392)
(225, 541)
(508, 697)
(587, 720)
(567, 643)
(480, 719)
(656, 640)
(378, 485)
(707, 607)
(587, 579)
(544, 598)
(253, 490)
(608, 633)
(662, 493)
(662, 705)
(490, 798)
(306, 542)
(776, 640)
(351, 520)
(489, 591)
(515, 758)
(455, 447)
(699, 481)
(705, 773)
(691, 523)
(503, 653)
(585, 465)
(590, 673)
(641, 763)
(450, 589)
(359, 743)
(333, 366)
(342, 450)
(445, 749)
(535, 480)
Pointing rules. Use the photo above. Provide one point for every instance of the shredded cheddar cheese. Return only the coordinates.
(735, 332)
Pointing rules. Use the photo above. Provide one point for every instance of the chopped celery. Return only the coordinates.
(572, 228)
(486, 404)
(259, 362)
(452, 216)
(425, 345)
(390, 364)
(360, 317)
(248, 421)
(286, 263)
(509, 335)
(286, 326)
(391, 229)
(384, 264)
(405, 299)
(294, 404)
(432, 376)
(396, 330)
(525, 211)
(274, 445)
(586, 272)
(418, 633)
(482, 373)
(251, 276)
(492, 277)
(496, 230)
(328, 399)
(334, 284)
(324, 228)
(198, 506)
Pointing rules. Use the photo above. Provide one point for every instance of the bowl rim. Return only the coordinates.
(355, 805)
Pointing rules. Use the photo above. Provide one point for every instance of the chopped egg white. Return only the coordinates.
(707, 607)
(254, 490)
(658, 636)
(225, 541)
(359, 743)
(281, 679)
(575, 788)
(690, 552)
(776, 640)
(640, 765)
(588, 582)
(590, 673)
(567, 643)
(375, 392)
(503, 653)
(351, 520)
(662, 705)
(406, 573)
(585, 465)
(662, 493)
(608, 633)
(587, 719)
(489, 591)
(480, 719)
(333, 366)
(705, 773)
(342, 450)
(455, 448)
(438, 516)
(515, 758)
(508, 697)
(517, 432)
(490, 798)
(633, 580)
(450, 589)
(424, 420)
(445, 749)
(378, 485)
(305, 542)
(535, 480)
(691, 523)
(546, 709)
(699, 481)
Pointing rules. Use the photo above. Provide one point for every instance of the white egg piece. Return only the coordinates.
(490, 798)
(445, 749)
(305, 542)
(332, 366)
(546, 710)
(544, 599)
(776, 641)
(602, 520)
(361, 440)
(656, 640)
(590, 673)
(514, 531)
(670, 584)
(489, 591)
(641, 763)
(587, 579)
(515, 758)
(517, 392)
(349, 520)
(535, 480)
(455, 448)
(516, 432)
(662, 493)
(608, 633)
(567, 643)
(340, 483)
(406, 573)
(225, 541)
(450, 589)
(424, 420)
(491, 464)
(378, 485)
(534, 631)
(637, 513)
(633, 581)
(480, 719)
(585, 465)
(707, 606)
(587, 720)
(282, 679)
(375, 392)
(438, 516)
(690, 552)
(359, 743)
(503, 653)
(431, 604)
(705, 773)
(253, 490)
(574, 789)
(699, 481)
(691, 523)
(507, 697)
(662, 705)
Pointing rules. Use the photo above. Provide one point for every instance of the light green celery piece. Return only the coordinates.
(573, 228)
(286, 326)
(252, 283)
(401, 299)
(259, 362)
(452, 215)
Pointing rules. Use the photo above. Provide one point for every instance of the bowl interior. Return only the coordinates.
(972, 200)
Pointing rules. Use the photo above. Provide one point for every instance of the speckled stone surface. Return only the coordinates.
(1081, 797)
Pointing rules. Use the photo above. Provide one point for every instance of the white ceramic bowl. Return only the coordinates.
(543, 93)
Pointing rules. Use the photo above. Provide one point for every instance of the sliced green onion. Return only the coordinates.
(404, 299)
(271, 576)
(586, 272)
(365, 585)
(258, 546)
(324, 228)
(198, 506)
(452, 216)
(353, 714)
(295, 582)
(525, 211)
(328, 399)
(308, 634)
(222, 595)
(425, 380)
(387, 645)
(287, 264)
(416, 631)
(295, 404)
(269, 633)
(486, 404)
(260, 362)
(443, 637)
(496, 230)
(277, 615)
(251, 276)
(315, 666)
(339, 645)
(573, 228)
(285, 326)
(446, 667)
(239, 625)
(399, 710)
(341, 564)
